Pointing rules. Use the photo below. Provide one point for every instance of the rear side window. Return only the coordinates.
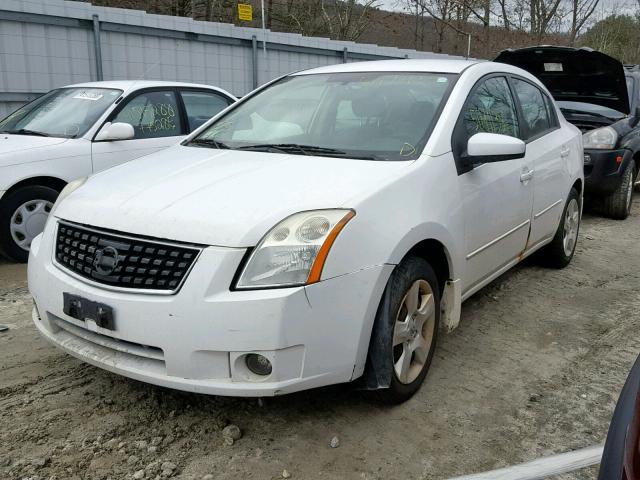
(490, 109)
(201, 106)
(534, 108)
(152, 114)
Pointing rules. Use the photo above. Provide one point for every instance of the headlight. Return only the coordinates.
(294, 251)
(66, 191)
(604, 138)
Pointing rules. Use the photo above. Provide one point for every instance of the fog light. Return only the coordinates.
(258, 364)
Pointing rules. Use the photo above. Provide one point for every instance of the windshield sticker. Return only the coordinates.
(407, 150)
(553, 67)
(442, 80)
(88, 95)
(72, 130)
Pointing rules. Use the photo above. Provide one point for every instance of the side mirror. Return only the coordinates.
(115, 131)
(492, 147)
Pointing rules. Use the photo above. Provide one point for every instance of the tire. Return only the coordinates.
(415, 336)
(559, 252)
(618, 204)
(22, 217)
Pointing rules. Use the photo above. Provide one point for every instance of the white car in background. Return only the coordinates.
(74, 131)
(318, 231)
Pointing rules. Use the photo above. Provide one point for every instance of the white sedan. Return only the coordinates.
(319, 231)
(74, 131)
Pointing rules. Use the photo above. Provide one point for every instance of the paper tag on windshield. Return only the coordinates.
(553, 67)
(84, 95)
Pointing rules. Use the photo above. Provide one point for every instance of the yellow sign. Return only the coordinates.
(245, 12)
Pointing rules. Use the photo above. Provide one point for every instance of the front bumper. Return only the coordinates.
(196, 340)
(603, 170)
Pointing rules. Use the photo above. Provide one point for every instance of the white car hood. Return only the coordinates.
(12, 144)
(218, 197)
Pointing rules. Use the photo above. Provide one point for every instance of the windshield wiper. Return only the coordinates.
(294, 148)
(586, 113)
(24, 131)
(208, 142)
(310, 150)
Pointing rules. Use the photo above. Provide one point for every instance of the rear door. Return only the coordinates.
(202, 105)
(497, 196)
(548, 151)
(156, 118)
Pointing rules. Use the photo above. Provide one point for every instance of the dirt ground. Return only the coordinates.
(534, 369)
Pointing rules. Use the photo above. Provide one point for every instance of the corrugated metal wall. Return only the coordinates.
(46, 44)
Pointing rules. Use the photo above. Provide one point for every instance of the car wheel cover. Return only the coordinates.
(28, 221)
(413, 331)
(571, 224)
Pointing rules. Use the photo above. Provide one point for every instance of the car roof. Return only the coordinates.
(131, 85)
(400, 65)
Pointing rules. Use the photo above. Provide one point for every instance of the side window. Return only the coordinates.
(152, 114)
(534, 107)
(490, 109)
(201, 106)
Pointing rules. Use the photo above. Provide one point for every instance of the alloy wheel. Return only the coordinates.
(413, 331)
(571, 224)
(629, 194)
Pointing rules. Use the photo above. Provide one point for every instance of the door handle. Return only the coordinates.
(564, 153)
(526, 176)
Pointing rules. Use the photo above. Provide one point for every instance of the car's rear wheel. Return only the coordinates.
(23, 214)
(559, 252)
(618, 204)
(407, 328)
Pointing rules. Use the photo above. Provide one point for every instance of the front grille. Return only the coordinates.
(123, 261)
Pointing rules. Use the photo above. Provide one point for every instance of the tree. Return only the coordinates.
(347, 19)
(581, 12)
(616, 35)
(541, 14)
(416, 7)
(338, 19)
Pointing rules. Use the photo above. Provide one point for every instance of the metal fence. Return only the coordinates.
(46, 44)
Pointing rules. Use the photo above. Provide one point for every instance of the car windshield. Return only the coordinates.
(590, 109)
(66, 112)
(361, 115)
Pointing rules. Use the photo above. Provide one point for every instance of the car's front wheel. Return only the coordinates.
(618, 204)
(23, 214)
(406, 329)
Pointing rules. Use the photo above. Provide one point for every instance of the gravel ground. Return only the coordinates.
(534, 369)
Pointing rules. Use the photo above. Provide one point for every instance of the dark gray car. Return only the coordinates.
(600, 96)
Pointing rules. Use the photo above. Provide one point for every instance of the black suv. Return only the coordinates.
(601, 97)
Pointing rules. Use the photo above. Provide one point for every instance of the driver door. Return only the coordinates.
(157, 123)
(497, 196)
